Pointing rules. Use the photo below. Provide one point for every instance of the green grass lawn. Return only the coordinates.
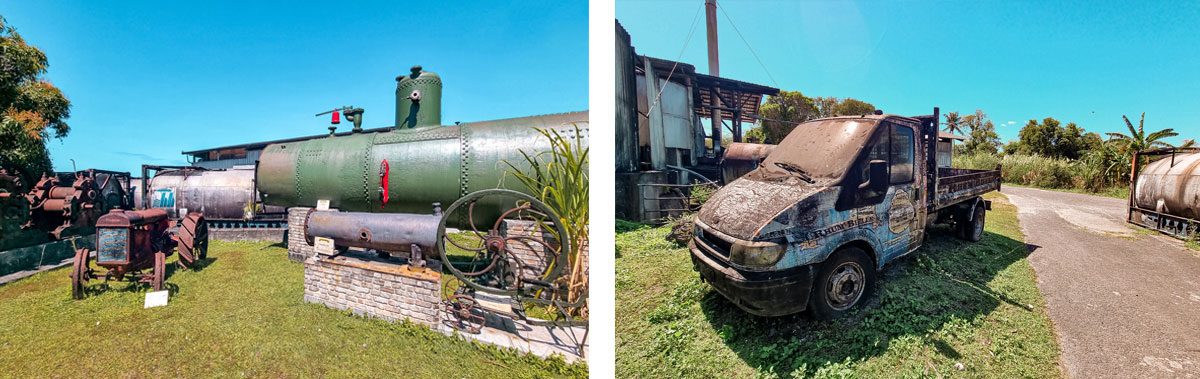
(950, 302)
(241, 314)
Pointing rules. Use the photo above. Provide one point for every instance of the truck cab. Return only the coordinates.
(831, 205)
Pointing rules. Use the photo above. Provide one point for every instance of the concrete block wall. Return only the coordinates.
(298, 248)
(368, 285)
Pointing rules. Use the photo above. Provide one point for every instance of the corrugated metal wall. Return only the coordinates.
(626, 105)
(251, 157)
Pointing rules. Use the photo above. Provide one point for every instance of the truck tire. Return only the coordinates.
(973, 230)
(844, 280)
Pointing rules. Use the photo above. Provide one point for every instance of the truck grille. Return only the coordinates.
(112, 245)
(718, 245)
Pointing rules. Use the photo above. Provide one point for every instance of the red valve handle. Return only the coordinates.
(383, 183)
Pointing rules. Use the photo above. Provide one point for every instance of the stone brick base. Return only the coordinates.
(372, 286)
(298, 248)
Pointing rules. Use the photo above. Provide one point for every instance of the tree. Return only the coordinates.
(953, 123)
(853, 107)
(825, 106)
(782, 112)
(757, 135)
(982, 139)
(1038, 138)
(1050, 138)
(1070, 143)
(1138, 140)
(30, 107)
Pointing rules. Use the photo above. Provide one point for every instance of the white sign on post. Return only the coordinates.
(156, 299)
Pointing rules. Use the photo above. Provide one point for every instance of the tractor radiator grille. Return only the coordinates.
(112, 245)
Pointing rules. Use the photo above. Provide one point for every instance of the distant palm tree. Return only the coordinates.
(1138, 140)
(953, 123)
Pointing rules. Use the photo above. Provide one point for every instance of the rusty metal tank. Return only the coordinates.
(224, 195)
(741, 158)
(1170, 185)
(408, 168)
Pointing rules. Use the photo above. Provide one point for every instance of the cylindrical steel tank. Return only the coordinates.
(386, 232)
(1170, 185)
(741, 158)
(220, 194)
(426, 165)
(417, 164)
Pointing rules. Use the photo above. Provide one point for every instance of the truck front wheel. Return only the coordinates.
(973, 230)
(845, 279)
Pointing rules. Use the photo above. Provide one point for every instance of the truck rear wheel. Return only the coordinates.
(973, 230)
(845, 279)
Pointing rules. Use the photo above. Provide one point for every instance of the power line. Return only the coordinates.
(672, 72)
(739, 33)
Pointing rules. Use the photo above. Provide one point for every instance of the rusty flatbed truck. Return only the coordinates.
(837, 200)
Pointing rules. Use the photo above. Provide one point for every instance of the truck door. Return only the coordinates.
(891, 209)
(899, 211)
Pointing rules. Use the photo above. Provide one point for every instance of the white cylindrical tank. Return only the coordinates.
(1170, 185)
(228, 194)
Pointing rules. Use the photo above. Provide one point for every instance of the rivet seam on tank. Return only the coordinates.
(386, 138)
(366, 170)
(299, 193)
(410, 83)
(465, 143)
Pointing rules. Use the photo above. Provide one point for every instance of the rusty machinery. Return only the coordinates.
(1165, 194)
(481, 256)
(66, 202)
(136, 244)
(58, 205)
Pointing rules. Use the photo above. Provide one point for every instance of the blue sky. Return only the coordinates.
(148, 80)
(1082, 62)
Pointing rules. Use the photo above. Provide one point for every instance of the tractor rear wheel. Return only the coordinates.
(193, 239)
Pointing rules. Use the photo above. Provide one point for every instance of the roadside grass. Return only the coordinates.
(1113, 192)
(949, 302)
(242, 314)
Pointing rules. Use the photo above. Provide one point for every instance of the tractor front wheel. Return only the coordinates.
(79, 274)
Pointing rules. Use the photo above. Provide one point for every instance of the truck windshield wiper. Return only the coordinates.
(795, 170)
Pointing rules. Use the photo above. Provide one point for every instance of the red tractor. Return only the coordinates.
(130, 242)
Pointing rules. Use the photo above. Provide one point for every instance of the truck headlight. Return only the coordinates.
(756, 254)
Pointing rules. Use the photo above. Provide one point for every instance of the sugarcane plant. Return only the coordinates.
(559, 178)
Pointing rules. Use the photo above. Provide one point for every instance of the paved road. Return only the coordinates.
(1123, 304)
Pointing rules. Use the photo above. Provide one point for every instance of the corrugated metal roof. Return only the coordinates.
(947, 135)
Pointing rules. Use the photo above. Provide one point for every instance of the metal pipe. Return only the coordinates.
(379, 231)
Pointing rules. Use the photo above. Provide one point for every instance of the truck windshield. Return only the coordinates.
(819, 149)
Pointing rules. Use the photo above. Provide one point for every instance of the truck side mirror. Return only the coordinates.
(877, 179)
